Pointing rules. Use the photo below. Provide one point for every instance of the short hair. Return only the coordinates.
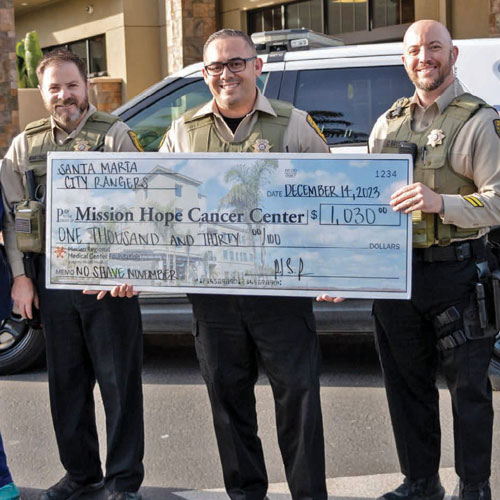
(228, 33)
(59, 56)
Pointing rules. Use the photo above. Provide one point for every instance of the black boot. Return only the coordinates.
(475, 491)
(426, 488)
(67, 489)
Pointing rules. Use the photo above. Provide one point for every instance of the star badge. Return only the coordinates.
(435, 138)
(59, 252)
(81, 146)
(261, 146)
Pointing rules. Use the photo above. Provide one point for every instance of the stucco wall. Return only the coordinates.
(132, 31)
(468, 21)
(9, 117)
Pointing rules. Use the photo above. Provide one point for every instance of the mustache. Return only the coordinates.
(66, 102)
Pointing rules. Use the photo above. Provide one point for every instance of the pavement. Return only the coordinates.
(181, 458)
(341, 488)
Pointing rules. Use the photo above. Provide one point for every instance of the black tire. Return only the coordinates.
(20, 346)
(495, 373)
(494, 370)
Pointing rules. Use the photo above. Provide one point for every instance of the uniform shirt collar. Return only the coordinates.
(442, 102)
(61, 135)
(261, 104)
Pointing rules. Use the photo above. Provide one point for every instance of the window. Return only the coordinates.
(332, 17)
(346, 102)
(97, 51)
(390, 12)
(151, 123)
(305, 14)
(91, 50)
(344, 17)
(178, 190)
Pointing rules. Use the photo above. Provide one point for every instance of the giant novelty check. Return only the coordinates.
(255, 224)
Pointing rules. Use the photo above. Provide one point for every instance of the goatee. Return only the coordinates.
(67, 119)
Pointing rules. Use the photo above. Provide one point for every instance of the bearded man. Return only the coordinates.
(86, 339)
(455, 137)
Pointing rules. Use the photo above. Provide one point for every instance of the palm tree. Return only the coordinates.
(246, 193)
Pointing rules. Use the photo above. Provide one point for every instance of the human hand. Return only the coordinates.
(327, 298)
(24, 296)
(123, 290)
(416, 196)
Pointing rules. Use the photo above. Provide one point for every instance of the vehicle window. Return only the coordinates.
(151, 123)
(345, 102)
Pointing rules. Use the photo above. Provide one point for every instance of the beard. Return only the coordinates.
(443, 73)
(67, 119)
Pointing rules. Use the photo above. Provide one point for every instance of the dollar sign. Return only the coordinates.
(314, 214)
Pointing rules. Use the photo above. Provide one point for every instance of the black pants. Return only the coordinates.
(408, 352)
(231, 334)
(89, 340)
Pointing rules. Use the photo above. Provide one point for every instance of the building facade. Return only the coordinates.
(131, 44)
(9, 117)
(142, 41)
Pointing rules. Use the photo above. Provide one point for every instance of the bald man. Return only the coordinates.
(455, 140)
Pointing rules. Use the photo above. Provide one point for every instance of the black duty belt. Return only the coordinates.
(457, 251)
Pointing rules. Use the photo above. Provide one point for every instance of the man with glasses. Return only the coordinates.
(233, 332)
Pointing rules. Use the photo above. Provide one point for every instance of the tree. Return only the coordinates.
(246, 193)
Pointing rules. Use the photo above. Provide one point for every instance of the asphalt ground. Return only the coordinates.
(181, 459)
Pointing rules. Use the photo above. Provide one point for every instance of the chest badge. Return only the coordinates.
(261, 146)
(435, 138)
(81, 146)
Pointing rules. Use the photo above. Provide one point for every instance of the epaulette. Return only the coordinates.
(468, 101)
(38, 126)
(100, 116)
(397, 108)
(281, 108)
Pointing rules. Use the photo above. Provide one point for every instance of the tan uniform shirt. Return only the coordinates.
(299, 136)
(475, 154)
(15, 164)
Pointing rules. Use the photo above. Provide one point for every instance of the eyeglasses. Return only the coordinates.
(236, 65)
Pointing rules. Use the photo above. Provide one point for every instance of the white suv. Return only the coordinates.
(344, 88)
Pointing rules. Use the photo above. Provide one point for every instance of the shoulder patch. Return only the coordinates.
(135, 140)
(312, 123)
(163, 138)
(496, 125)
(475, 202)
(397, 109)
